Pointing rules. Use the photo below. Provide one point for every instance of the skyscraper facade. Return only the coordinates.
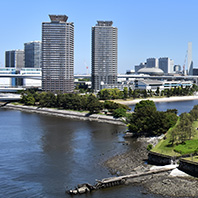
(166, 65)
(104, 54)
(32, 52)
(58, 55)
(14, 59)
(151, 62)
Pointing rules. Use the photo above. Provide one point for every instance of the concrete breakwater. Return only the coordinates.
(67, 114)
(113, 181)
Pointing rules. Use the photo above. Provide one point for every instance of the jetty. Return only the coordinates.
(113, 181)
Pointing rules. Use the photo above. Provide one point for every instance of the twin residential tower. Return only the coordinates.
(58, 55)
(104, 55)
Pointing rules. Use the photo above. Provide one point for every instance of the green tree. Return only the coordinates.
(47, 99)
(28, 99)
(143, 104)
(104, 94)
(146, 120)
(130, 92)
(125, 92)
(93, 104)
(157, 91)
(111, 106)
(120, 112)
(173, 135)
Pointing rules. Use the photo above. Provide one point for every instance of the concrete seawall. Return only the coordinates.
(67, 114)
(159, 159)
(189, 167)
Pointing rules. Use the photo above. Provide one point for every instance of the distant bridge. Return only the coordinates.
(31, 76)
(126, 76)
(10, 97)
(11, 89)
(120, 76)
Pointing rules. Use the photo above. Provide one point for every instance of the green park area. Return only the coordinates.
(178, 141)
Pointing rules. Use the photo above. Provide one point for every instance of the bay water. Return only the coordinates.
(42, 156)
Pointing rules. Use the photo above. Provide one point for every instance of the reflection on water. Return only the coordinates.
(42, 155)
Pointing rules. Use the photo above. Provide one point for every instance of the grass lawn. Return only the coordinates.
(164, 147)
(193, 159)
(189, 147)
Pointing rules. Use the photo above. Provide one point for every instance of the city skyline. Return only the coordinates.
(146, 28)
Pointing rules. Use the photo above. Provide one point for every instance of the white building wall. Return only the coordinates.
(27, 82)
(5, 82)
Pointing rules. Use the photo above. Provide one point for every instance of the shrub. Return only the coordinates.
(149, 147)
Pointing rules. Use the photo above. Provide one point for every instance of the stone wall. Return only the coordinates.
(189, 167)
(159, 159)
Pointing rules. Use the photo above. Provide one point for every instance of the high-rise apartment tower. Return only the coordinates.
(104, 54)
(14, 59)
(58, 55)
(32, 51)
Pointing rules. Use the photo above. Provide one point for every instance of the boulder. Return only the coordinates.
(82, 190)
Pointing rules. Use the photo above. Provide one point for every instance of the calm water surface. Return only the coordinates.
(181, 106)
(42, 155)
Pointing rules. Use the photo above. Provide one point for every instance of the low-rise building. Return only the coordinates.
(149, 84)
(31, 82)
(154, 84)
(7, 82)
(172, 84)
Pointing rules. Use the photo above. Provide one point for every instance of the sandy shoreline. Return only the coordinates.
(170, 99)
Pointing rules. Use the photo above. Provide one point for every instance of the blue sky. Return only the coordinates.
(146, 28)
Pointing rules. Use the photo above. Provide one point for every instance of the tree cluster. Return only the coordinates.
(71, 101)
(146, 120)
(179, 91)
(184, 130)
(111, 94)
